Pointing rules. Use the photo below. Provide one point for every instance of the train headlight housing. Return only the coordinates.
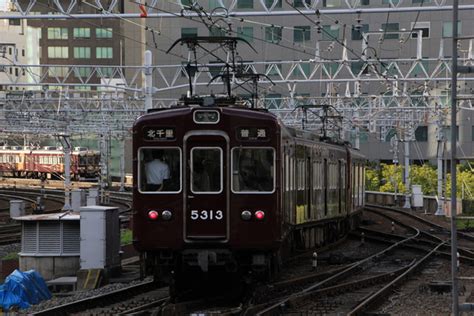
(246, 215)
(166, 215)
(153, 215)
(260, 215)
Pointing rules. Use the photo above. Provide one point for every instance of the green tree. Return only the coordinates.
(426, 176)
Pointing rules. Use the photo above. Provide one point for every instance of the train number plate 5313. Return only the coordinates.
(207, 215)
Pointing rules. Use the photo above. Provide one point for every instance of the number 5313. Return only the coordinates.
(207, 215)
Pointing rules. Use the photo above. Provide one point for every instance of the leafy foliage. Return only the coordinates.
(11, 255)
(389, 177)
(126, 237)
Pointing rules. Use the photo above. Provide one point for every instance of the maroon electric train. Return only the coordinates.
(239, 192)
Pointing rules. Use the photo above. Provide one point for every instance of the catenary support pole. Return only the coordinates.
(407, 169)
(147, 70)
(122, 163)
(454, 83)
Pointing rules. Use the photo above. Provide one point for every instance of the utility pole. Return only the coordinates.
(440, 152)
(122, 162)
(407, 139)
(454, 86)
(147, 71)
(64, 139)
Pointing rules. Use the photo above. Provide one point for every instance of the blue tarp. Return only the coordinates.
(23, 289)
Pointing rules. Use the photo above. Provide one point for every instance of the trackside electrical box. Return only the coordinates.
(100, 238)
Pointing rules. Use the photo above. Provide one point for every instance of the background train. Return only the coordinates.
(47, 162)
(242, 191)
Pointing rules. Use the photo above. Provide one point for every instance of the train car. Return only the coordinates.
(47, 162)
(238, 192)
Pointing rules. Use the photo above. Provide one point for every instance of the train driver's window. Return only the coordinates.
(253, 170)
(159, 170)
(206, 172)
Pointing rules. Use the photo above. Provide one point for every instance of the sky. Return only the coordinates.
(3, 5)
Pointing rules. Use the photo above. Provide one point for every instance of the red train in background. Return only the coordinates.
(48, 162)
(239, 193)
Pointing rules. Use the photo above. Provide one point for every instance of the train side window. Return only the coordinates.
(159, 169)
(253, 170)
(206, 172)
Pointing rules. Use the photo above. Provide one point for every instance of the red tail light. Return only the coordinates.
(153, 215)
(259, 215)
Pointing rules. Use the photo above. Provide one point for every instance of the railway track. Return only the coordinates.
(352, 288)
(424, 242)
(53, 200)
(113, 303)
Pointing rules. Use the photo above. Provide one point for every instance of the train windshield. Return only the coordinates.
(206, 175)
(159, 170)
(253, 170)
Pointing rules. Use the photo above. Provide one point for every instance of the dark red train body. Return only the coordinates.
(47, 162)
(243, 190)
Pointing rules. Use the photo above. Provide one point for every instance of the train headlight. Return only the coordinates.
(153, 215)
(246, 215)
(259, 215)
(166, 215)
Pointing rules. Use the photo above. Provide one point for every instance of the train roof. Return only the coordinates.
(182, 110)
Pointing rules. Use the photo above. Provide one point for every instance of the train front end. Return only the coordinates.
(214, 203)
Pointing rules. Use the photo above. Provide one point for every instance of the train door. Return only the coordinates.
(206, 187)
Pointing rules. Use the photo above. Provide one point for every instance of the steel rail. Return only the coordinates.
(372, 299)
(275, 307)
(95, 301)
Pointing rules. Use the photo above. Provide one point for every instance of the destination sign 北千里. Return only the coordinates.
(159, 133)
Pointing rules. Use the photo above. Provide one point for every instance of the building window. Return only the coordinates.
(188, 32)
(358, 66)
(421, 134)
(187, 3)
(273, 34)
(446, 133)
(214, 4)
(217, 31)
(81, 32)
(269, 3)
(105, 72)
(82, 52)
(244, 4)
(103, 32)
(103, 52)
(301, 33)
(300, 4)
(304, 71)
(245, 32)
(273, 101)
(365, 2)
(14, 22)
(57, 33)
(394, 2)
(58, 52)
(418, 70)
(83, 72)
(57, 71)
(421, 1)
(331, 3)
(420, 26)
(391, 27)
(272, 69)
(358, 31)
(448, 29)
(330, 32)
